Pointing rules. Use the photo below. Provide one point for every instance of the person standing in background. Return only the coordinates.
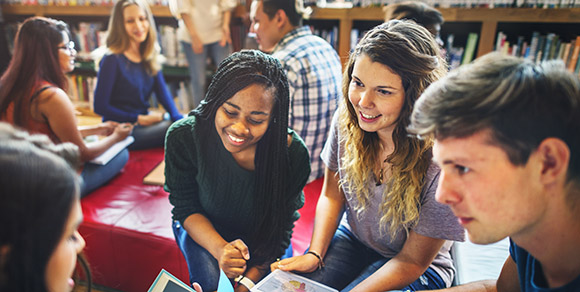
(421, 13)
(313, 68)
(204, 31)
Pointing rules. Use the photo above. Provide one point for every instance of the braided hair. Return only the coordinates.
(235, 73)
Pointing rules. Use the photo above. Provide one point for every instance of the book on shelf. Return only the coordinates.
(469, 48)
(574, 57)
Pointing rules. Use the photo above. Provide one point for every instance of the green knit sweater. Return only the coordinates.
(201, 176)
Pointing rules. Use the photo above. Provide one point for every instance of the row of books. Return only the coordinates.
(81, 89)
(76, 2)
(541, 48)
(475, 3)
(328, 34)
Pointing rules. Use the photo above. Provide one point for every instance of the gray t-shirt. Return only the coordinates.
(435, 220)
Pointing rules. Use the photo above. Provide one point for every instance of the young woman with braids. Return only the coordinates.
(235, 173)
(394, 235)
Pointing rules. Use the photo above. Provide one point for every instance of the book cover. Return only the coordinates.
(166, 282)
(280, 281)
(574, 56)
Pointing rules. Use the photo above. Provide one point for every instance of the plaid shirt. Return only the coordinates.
(315, 75)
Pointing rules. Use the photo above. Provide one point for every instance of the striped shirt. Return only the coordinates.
(315, 75)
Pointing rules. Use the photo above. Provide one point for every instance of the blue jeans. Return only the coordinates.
(348, 262)
(95, 175)
(150, 136)
(197, 67)
(203, 267)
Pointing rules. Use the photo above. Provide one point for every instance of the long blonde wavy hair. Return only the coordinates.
(118, 41)
(410, 51)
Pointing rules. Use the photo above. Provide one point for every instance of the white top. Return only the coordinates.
(207, 15)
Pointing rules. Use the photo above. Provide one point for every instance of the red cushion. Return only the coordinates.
(127, 226)
(304, 226)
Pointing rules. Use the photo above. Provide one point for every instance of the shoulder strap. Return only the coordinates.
(38, 92)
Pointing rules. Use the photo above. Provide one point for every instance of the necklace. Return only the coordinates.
(380, 180)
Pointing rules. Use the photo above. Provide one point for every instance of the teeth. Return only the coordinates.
(368, 117)
(235, 139)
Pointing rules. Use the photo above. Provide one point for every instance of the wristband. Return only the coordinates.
(245, 281)
(320, 262)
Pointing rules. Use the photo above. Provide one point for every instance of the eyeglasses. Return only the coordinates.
(69, 47)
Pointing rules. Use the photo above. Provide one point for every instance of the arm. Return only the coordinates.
(226, 34)
(328, 213)
(102, 129)
(411, 262)
(196, 43)
(164, 97)
(58, 110)
(231, 256)
(508, 281)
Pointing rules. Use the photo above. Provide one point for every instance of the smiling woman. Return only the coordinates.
(130, 73)
(235, 173)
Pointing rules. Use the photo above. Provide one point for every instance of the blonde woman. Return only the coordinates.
(394, 235)
(130, 73)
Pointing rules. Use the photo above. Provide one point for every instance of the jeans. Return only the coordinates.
(94, 175)
(348, 262)
(203, 267)
(197, 67)
(150, 136)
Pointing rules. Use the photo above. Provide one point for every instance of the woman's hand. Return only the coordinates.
(150, 119)
(122, 131)
(107, 128)
(304, 263)
(226, 36)
(233, 258)
(196, 44)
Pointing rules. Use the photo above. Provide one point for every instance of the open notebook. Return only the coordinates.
(113, 151)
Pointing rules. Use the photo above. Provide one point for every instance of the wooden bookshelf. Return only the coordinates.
(489, 19)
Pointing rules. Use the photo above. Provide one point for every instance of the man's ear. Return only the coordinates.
(554, 155)
(281, 19)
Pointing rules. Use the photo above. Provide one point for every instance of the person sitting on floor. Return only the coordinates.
(394, 235)
(33, 97)
(507, 138)
(235, 173)
(130, 73)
